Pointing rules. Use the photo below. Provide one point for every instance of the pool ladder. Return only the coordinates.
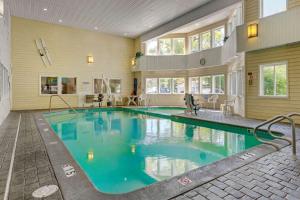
(63, 100)
(276, 120)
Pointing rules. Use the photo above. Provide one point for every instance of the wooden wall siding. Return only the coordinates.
(252, 9)
(69, 49)
(263, 108)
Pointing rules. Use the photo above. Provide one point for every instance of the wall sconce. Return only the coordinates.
(90, 59)
(252, 30)
(133, 61)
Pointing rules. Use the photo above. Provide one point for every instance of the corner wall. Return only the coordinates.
(5, 58)
(263, 107)
(69, 48)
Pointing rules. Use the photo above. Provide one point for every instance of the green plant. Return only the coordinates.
(138, 54)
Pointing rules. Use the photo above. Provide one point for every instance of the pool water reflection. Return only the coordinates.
(123, 151)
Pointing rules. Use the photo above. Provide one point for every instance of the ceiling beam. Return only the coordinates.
(198, 13)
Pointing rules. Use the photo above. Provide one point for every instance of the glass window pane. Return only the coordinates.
(219, 34)
(115, 86)
(165, 85)
(151, 86)
(205, 40)
(268, 80)
(151, 47)
(49, 85)
(194, 85)
(271, 7)
(281, 80)
(68, 85)
(178, 85)
(99, 86)
(233, 83)
(194, 43)
(165, 46)
(206, 85)
(178, 46)
(219, 84)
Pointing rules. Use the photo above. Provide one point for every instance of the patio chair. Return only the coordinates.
(118, 100)
(142, 99)
(213, 100)
(228, 106)
(190, 103)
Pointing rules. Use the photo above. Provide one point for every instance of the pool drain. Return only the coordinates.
(45, 191)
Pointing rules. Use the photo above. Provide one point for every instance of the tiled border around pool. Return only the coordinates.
(79, 186)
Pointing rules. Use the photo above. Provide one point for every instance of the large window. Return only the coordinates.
(165, 85)
(178, 46)
(99, 86)
(68, 85)
(205, 84)
(218, 36)
(194, 43)
(271, 7)
(115, 86)
(49, 85)
(194, 85)
(178, 85)
(205, 40)
(151, 85)
(151, 47)
(273, 80)
(218, 84)
(211, 84)
(165, 46)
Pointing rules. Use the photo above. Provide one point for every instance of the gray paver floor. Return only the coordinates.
(275, 176)
(32, 168)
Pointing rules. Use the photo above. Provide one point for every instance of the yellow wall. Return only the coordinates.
(68, 48)
(252, 9)
(263, 108)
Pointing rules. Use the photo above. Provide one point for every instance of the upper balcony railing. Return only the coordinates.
(206, 58)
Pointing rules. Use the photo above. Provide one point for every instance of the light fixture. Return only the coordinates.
(133, 147)
(252, 30)
(90, 59)
(96, 28)
(45, 9)
(60, 20)
(133, 61)
(90, 155)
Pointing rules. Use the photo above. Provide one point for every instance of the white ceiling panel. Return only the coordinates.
(120, 17)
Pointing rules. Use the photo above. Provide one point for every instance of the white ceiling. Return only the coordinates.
(128, 18)
(207, 20)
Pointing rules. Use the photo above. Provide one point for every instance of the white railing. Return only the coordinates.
(212, 58)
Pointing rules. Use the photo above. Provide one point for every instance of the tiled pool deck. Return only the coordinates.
(274, 176)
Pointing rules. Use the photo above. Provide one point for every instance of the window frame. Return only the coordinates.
(157, 47)
(60, 85)
(157, 86)
(202, 33)
(261, 11)
(120, 85)
(213, 36)
(190, 84)
(184, 48)
(190, 43)
(261, 80)
(171, 89)
(213, 88)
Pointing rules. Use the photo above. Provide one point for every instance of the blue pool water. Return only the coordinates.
(122, 151)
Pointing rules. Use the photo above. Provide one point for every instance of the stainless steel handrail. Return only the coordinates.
(56, 95)
(273, 121)
(293, 127)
